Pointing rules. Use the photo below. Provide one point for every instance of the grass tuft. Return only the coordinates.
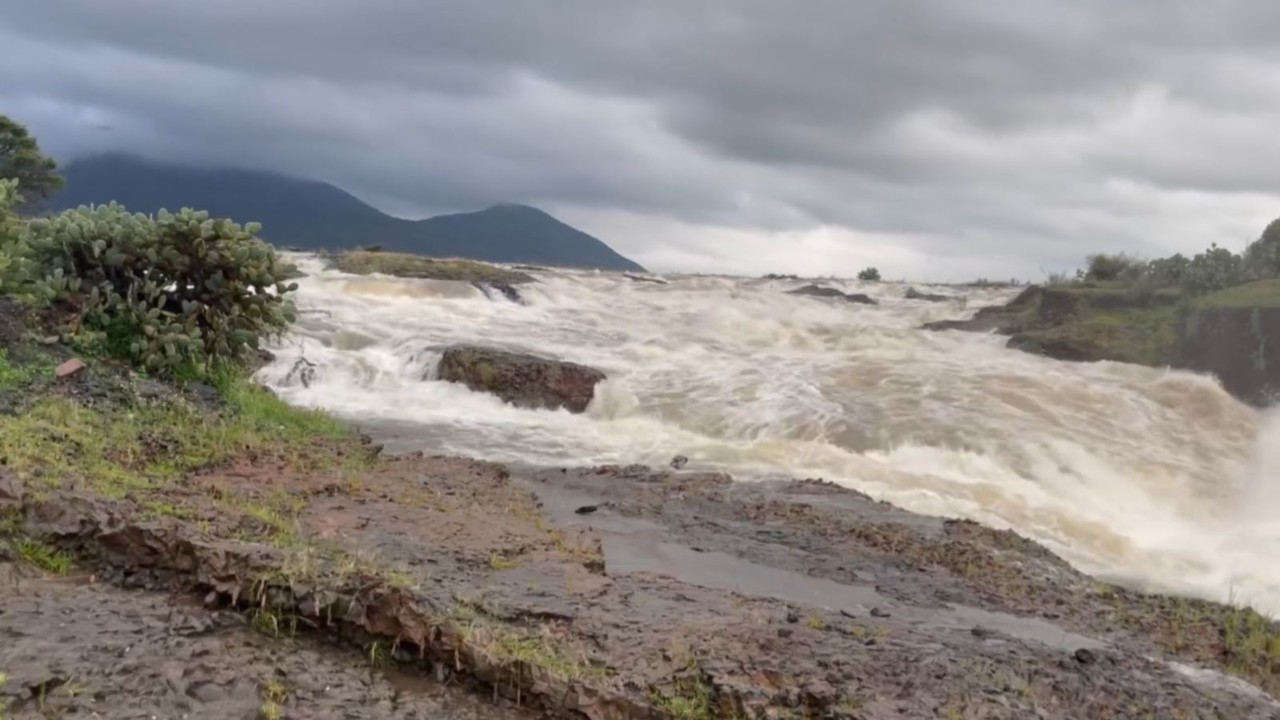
(37, 554)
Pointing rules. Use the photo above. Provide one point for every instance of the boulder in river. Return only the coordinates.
(914, 294)
(825, 292)
(523, 380)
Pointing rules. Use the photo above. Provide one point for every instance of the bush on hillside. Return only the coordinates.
(869, 274)
(162, 291)
(1213, 270)
(1105, 267)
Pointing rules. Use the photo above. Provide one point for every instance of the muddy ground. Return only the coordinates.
(75, 647)
(596, 593)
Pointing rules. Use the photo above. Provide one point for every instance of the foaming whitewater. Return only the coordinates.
(1136, 474)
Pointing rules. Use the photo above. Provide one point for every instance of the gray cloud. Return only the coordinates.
(938, 139)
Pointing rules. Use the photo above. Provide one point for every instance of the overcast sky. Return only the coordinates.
(935, 139)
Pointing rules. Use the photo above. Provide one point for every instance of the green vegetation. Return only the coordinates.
(181, 296)
(14, 375)
(1119, 307)
(37, 554)
(869, 274)
(1215, 269)
(366, 262)
(274, 695)
(690, 698)
(160, 292)
(22, 161)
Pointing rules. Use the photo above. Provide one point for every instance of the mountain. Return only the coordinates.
(318, 216)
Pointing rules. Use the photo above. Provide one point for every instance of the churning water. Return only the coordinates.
(1133, 473)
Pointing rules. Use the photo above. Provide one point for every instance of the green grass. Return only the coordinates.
(509, 648)
(691, 701)
(13, 375)
(37, 554)
(141, 452)
(122, 451)
(1252, 645)
(1263, 293)
(360, 262)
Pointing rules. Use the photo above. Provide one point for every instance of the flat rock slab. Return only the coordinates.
(832, 293)
(618, 593)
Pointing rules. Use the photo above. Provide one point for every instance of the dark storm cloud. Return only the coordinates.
(918, 133)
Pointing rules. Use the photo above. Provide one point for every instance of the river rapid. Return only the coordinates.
(1147, 476)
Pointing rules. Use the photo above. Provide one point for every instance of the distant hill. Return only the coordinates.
(317, 216)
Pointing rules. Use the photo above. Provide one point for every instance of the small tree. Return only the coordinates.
(21, 160)
(869, 274)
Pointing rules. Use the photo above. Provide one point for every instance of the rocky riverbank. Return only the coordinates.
(206, 550)
(604, 593)
(1233, 334)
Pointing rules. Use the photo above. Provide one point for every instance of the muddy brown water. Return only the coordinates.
(76, 648)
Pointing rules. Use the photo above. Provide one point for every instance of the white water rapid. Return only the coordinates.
(1131, 473)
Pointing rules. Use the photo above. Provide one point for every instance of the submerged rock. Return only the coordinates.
(914, 294)
(1004, 319)
(824, 292)
(505, 290)
(521, 379)
(644, 279)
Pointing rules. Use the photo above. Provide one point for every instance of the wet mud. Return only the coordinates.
(71, 646)
(618, 592)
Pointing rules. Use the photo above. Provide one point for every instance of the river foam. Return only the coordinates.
(1151, 476)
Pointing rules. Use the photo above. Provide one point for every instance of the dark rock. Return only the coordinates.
(679, 461)
(505, 290)
(878, 613)
(1059, 348)
(586, 509)
(1085, 656)
(520, 379)
(776, 276)
(643, 279)
(204, 395)
(1239, 345)
(260, 359)
(832, 293)
(1005, 319)
(914, 294)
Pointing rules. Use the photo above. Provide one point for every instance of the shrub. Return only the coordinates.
(1103, 267)
(9, 228)
(869, 274)
(1213, 270)
(161, 291)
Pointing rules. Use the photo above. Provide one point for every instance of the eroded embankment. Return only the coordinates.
(628, 593)
(76, 647)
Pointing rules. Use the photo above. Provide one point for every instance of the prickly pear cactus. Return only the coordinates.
(163, 290)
